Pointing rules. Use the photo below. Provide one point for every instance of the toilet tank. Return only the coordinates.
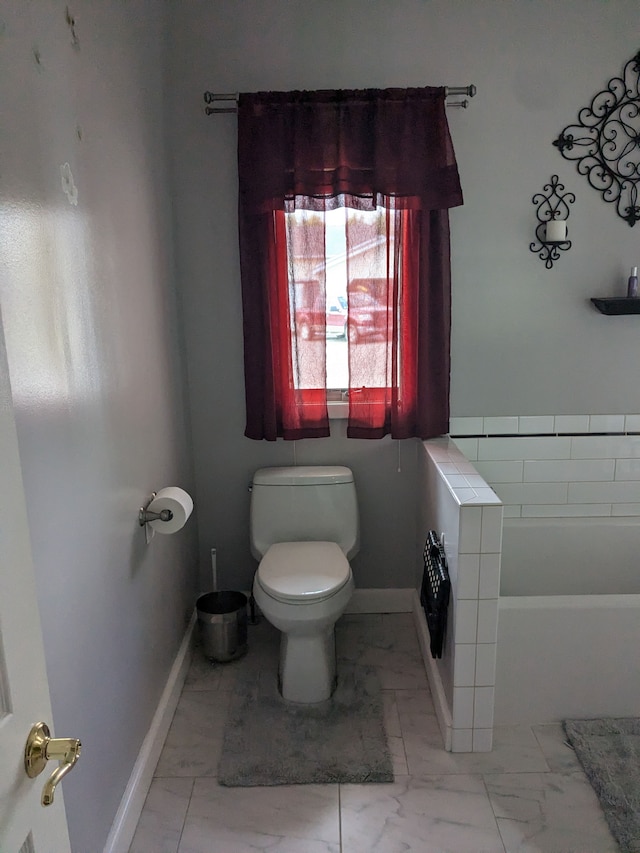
(304, 504)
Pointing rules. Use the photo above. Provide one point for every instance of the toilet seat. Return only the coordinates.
(303, 571)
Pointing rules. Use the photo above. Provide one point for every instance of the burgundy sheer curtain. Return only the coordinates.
(364, 150)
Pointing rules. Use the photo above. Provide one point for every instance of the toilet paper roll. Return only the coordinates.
(176, 500)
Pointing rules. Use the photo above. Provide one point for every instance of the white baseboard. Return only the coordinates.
(440, 703)
(381, 601)
(128, 814)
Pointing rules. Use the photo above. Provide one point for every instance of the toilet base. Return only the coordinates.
(307, 671)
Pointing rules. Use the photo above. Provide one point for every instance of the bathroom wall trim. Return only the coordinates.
(128, 814)
(381, 601)
(543, 425)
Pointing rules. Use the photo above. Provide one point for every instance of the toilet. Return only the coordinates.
(304, 529)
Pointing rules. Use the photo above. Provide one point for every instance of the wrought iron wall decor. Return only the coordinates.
(552, 205)
(605, 142)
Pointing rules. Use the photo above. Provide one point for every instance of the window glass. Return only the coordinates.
(339, 296)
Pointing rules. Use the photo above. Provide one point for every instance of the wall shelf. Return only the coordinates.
(618, 305)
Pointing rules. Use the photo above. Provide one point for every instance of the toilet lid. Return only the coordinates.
(303, 571)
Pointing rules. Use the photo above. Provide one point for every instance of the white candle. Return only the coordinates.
(556, 231)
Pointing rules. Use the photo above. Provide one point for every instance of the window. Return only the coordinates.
(338, 296)
(371, 315)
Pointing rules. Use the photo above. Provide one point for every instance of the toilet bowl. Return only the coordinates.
(304, 528)
(302, 589)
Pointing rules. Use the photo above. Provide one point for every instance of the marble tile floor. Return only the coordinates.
(529, 794)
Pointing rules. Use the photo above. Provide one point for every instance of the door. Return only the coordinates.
(25, 825)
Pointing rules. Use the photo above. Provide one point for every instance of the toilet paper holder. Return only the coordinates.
(144, 516)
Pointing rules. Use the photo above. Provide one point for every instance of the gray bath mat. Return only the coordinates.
(268, 741)
(609, 751)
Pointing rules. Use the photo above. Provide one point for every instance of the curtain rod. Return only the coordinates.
(212, 97)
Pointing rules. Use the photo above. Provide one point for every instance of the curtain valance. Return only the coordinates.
(364, 143)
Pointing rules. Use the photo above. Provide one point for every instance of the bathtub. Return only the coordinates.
(568, 620)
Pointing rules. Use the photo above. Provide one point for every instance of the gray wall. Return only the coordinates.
(525, 340)
(90, 320)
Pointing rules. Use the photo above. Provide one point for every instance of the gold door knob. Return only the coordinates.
(41, 748)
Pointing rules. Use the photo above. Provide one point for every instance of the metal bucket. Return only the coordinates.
(222, 617)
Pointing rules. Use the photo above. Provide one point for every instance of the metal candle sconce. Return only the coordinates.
(552, 212)
(603, 142)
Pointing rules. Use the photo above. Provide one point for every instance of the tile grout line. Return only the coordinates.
(493, 811)
(404, 745)
(184, 821)
(537, 740)
(340, 817)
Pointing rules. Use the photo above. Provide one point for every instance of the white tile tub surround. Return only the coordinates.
(555, 466)
(457, 502)
(632, 423)
(568, 631)
(543, 424)
(558, 473)
(501, 426)
(536, 424)
(571, 424)
(606, 423)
